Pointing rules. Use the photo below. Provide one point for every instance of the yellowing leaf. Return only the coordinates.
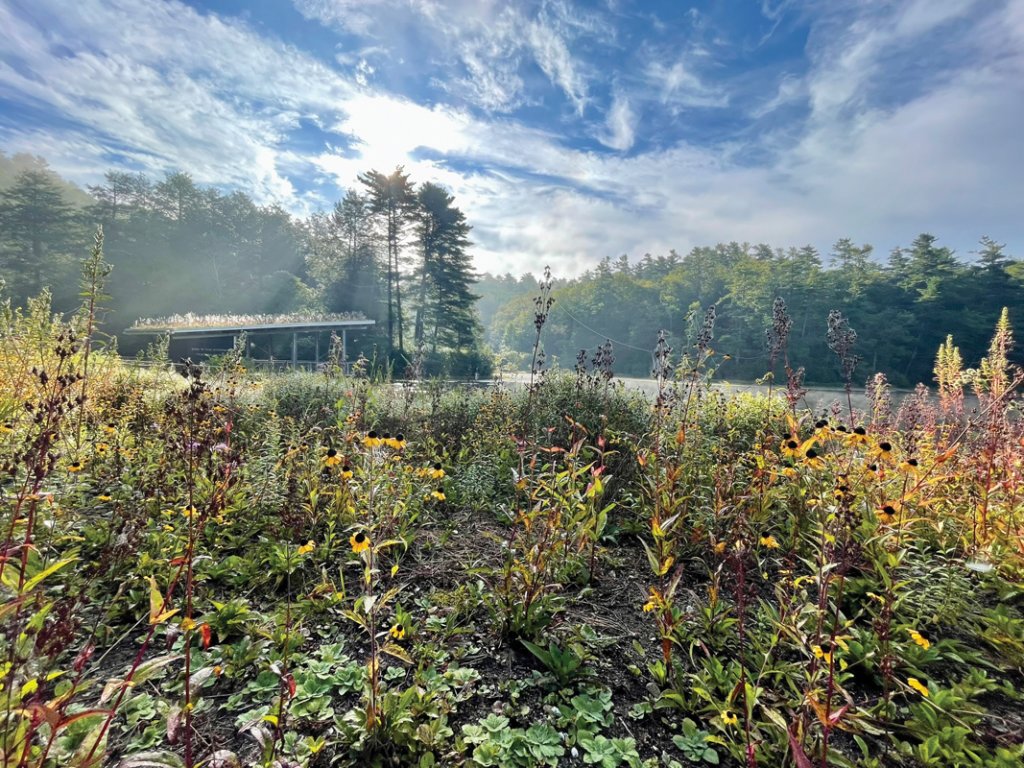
(157, 614)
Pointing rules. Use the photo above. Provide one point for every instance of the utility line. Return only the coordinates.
(558, 306)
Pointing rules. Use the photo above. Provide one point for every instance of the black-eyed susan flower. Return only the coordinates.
(769, 541)
(76, 466)
(437, 495)
(397, 442)
(910, 466)
(306, 548)
(918, 686)
(812, 459)
(109, 428)
(359, 541)
(884, 450)
(332, 458)
(821, 424)
(397, 631)
(371, 440)
(6, 427)
(821, 653)
(859, 436)
(886, 514)
(791, 447)
(103, 497)
(729, 718)
(919, 639)
(346, 472)
(435, 472)
(188, 511)
(102, 449)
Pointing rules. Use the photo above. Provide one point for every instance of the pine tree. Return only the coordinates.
(392, 201)
(36, 232)
(445, 273)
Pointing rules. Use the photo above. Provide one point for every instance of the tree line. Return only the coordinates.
(397, 251)
(400, 253)
(902, 308)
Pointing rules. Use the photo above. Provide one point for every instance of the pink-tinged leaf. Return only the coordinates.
(799, 756)
(835, 716)
(174, 726)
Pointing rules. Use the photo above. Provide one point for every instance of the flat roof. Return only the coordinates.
(201, 326)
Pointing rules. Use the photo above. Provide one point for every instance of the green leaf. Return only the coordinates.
(42, 575)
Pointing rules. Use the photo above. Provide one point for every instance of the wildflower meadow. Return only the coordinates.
(210, 566)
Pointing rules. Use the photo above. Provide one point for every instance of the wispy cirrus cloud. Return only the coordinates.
(598, 133)
(490, 46)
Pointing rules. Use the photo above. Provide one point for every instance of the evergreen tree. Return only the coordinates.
(445, 273)
(342, 258)
(36, 233)
(392, 201)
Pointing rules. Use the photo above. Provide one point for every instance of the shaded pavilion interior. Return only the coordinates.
(203, 336)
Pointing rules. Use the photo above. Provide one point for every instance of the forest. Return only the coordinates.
(177, 248)
(401, 253)
(902, 309)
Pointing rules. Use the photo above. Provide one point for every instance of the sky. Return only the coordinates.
(567, 131)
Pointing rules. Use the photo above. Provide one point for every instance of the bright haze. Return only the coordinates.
(567, 131)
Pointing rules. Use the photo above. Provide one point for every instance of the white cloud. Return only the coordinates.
(490, 39)
(553, 57)
(621, 124)
(166, 87)
(170, 88)
(678, 87)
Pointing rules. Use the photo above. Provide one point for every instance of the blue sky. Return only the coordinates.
(567, 131)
